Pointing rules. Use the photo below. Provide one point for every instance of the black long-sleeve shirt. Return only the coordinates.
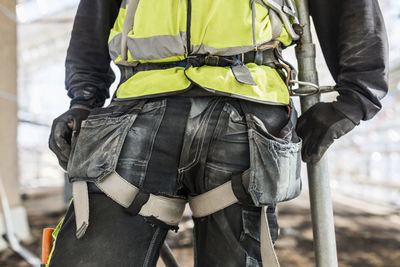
(354, 42)
(88, 74)
(351, 33)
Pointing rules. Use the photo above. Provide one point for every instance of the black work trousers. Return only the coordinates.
(177, 146)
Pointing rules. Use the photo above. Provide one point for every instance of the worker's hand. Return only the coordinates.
(319, 126)
(63, 129)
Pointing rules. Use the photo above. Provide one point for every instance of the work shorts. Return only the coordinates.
(180, 147)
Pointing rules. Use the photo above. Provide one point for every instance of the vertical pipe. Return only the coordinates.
(318, 179)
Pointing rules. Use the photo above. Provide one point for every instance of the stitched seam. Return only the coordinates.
(199, 147)
(152, 141)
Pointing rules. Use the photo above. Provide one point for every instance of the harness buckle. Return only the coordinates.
(212, 60)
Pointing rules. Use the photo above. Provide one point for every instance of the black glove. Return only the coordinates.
(319, 126)
(64, 127)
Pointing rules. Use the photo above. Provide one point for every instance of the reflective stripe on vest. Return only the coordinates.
(159, 34)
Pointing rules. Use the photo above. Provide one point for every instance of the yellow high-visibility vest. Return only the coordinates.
(154, 31)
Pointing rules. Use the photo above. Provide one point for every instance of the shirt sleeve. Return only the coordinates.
(354, 42)
(88, 74)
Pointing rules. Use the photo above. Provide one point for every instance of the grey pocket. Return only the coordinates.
(99, 143)
(274, 163)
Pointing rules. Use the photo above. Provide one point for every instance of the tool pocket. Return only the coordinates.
(102, 135)
(275, 162)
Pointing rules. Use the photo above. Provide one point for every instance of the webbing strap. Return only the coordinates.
(118, 189)
(282, 9)
(222, 197)
(212, 201)
(166, 209)
(128, 25)
(276, 22)
(81, 207)
(268, 255)
(239, 69)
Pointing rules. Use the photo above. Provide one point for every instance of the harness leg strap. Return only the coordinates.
(212, 201)
(137, 204)
(81, 207)
(222, 197)
(168, 210)
(268, 255)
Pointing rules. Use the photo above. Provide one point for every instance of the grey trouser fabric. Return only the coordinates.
(177, 146)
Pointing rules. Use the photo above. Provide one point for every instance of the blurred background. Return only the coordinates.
(364, 166)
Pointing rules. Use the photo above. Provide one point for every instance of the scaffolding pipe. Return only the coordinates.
(318, 178)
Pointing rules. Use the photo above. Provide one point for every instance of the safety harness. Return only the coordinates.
(167, 209)
(268, 54)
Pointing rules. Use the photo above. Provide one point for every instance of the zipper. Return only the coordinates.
(188, 21)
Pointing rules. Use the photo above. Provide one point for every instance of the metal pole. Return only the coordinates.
(318, 179)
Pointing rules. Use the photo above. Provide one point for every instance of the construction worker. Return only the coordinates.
(202, 114)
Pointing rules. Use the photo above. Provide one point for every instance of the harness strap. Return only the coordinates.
(276, 24)
(285, 13)
(166, 209)
(222, 197)
(118, 189)
(266, 55)
(263, 56)
(81, 207)
(127, 27)
(138, 202)
(268, 255)
(275, 20)
(212, 201)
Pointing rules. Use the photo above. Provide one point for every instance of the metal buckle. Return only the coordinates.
(212, 60)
